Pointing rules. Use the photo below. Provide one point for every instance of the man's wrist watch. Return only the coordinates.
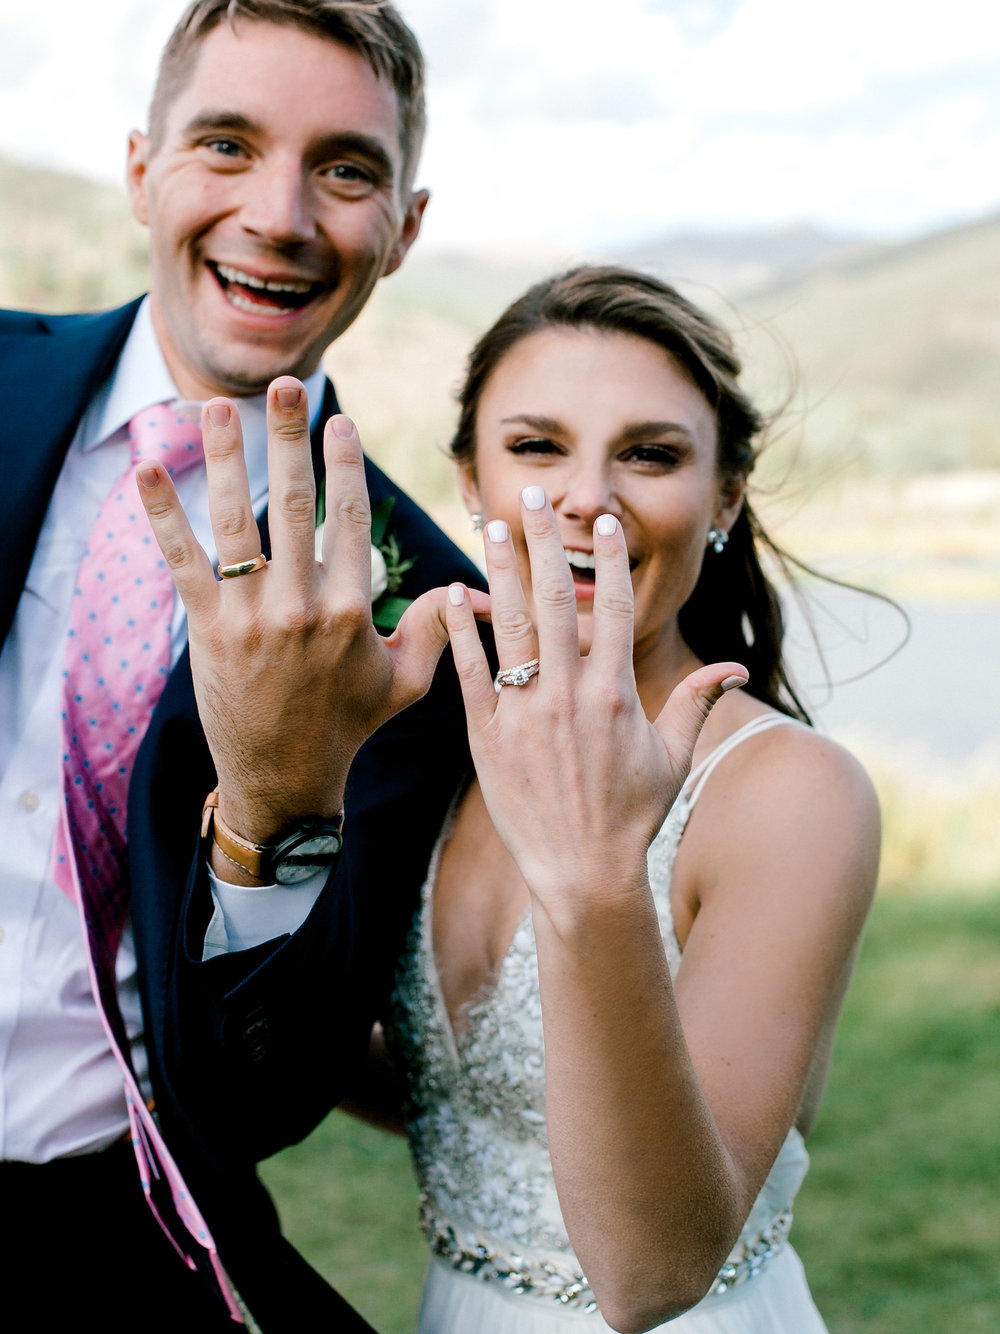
(303, 851)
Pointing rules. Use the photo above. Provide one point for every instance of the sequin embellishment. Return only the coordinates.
(475, 1114)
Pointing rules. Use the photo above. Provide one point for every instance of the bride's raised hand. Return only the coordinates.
(574, 775)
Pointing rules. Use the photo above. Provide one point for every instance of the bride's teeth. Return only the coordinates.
(580, 560)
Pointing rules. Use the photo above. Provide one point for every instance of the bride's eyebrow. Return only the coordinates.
(547, 424)
(655, 430)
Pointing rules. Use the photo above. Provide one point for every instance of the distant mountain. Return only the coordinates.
(886, 356)
(736, 263)
(66, 243)
(889, 354)
(897, 352)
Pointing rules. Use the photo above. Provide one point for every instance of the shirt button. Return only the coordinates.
(28, 801)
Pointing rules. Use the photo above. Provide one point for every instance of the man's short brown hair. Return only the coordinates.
(372, 28)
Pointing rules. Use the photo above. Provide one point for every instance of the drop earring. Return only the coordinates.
(717, 539)
(477, 522)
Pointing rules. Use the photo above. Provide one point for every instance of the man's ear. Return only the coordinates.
(408, 232)
(135, 175)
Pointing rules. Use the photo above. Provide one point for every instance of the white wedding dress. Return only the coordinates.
(501, 1262)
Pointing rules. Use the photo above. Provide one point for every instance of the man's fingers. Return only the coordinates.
(419, 639)
(682, 717)
(190, 568)
(291, 506)
(233, 523)
(347, 528)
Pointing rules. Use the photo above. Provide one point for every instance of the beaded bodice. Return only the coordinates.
(475, 1108)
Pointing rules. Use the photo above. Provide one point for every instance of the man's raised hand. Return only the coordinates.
(290, 674)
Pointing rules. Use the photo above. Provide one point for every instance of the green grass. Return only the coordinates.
(349, 1203)
(899, 1221)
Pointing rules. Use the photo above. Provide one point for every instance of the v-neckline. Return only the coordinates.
(486, 994)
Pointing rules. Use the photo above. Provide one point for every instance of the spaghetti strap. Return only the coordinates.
(702, 772)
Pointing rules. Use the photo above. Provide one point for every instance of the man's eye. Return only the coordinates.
(350, 176)
(225, 147)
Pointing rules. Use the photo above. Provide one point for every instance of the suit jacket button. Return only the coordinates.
(255, 1035)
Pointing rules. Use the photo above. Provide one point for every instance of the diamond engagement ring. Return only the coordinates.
(516, 676)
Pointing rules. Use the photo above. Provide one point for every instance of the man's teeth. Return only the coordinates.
(254, 307)
(262, 284)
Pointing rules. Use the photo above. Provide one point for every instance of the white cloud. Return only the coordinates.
(576, 122)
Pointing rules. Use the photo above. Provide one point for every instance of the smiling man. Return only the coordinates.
(276, 184)
(276, 181)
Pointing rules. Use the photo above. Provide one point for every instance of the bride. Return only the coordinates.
(616, 1009)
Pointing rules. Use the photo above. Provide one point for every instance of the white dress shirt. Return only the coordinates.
(60, 1087)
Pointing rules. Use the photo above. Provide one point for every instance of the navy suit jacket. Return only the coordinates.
(247, 1052)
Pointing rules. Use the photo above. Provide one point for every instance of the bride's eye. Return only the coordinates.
(532, 445)
(663, 457)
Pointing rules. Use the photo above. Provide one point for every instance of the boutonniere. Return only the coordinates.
(388, 565)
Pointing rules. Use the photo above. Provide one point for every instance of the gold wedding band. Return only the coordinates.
(242, 567)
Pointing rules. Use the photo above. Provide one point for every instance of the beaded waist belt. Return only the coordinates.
(559, 1281)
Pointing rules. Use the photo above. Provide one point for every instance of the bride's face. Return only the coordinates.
(606, 423)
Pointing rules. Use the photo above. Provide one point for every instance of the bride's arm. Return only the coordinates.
(665, 1107)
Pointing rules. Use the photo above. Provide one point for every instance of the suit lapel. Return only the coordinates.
(52, 367)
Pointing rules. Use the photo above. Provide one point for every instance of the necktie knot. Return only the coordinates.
(170, 433)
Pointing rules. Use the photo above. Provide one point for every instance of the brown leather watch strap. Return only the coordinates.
(248, 856)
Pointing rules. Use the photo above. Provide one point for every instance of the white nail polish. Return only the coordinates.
(496, 530)
(533, 497)
(732, 682)
(456, 594)
(606, 525)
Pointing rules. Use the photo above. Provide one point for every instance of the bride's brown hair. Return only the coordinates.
(734, 612)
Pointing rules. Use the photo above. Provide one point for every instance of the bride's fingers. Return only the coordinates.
(611, 641)
(470, 661)
(512, 628)
(682, 717)
(552, 589)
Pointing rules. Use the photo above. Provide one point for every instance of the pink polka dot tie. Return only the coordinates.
(116, 664)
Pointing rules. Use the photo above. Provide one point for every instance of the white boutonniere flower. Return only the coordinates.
(387, 567)
(380, 575)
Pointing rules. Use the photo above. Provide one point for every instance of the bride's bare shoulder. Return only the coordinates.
(786, 804)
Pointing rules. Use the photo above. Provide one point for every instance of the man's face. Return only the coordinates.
(273, 202)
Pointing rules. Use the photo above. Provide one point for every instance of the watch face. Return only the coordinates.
(305, 854)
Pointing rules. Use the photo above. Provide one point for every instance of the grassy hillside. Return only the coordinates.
(886, 356)
(898, 352)
(66, 243)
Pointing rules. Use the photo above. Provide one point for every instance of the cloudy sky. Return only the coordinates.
(581, 124)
